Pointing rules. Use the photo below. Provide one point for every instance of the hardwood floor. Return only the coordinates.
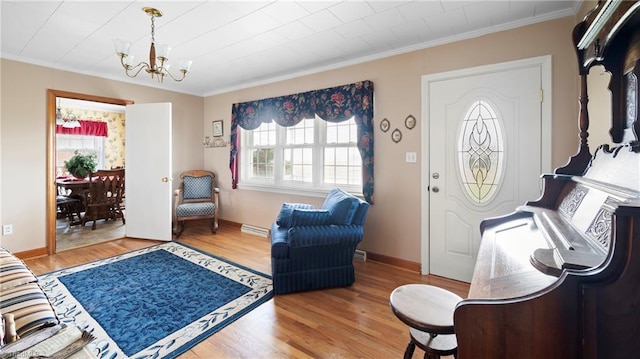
(351, 322)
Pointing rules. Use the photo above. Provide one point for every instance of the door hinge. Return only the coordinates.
(541, 95)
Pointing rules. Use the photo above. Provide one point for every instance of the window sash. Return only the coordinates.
(66, 145)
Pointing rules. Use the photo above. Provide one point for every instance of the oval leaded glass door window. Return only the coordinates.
(480, 153)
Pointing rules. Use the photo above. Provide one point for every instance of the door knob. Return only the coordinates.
(164, 179)
(436, 189)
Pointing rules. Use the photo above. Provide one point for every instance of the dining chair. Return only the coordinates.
(104, 197)
(68, 206)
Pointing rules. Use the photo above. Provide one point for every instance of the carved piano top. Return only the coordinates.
(560, 276)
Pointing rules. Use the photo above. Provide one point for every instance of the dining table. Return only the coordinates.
(76, 187)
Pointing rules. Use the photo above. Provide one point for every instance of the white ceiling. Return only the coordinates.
(237, 44)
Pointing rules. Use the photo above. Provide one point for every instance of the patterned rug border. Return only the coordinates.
(262, 291)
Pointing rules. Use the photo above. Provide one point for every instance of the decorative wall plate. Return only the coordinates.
(410, 122)
(384, 125)
(396, 135)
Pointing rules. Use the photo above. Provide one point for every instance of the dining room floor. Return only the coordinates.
(68, 236)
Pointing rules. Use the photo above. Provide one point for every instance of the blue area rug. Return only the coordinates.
(156, 302)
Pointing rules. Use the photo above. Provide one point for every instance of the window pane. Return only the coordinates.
(265, 135)
(298, 164)
(300, 134)
(342, 165)
(262, 163)
(66, 145)
(342, 132)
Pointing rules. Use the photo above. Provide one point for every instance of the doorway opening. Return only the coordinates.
(66, 231)
(87, 128)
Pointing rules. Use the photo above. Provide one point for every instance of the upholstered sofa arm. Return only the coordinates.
(307, 236)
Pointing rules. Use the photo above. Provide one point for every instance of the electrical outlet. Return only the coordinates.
(7, 229)
(410, 157)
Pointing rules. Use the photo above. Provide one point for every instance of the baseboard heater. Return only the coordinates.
(360, 255)
(258, 231)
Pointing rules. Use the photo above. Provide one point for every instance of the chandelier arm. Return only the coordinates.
(141, 66)
(184, 74)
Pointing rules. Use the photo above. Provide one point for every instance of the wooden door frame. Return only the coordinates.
(544, 62)
(51, 189)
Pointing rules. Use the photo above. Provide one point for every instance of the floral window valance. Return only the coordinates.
(87, 128)
(334, 104)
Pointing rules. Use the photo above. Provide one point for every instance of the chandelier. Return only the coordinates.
(156, 67)
(67, 119)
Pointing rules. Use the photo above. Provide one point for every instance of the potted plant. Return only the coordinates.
(80, 165)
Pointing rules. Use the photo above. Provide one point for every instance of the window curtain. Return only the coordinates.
(334, 104)
(87, 128)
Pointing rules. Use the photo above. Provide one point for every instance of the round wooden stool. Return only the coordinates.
(428, 311)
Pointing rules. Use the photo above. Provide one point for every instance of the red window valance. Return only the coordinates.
(87, 128)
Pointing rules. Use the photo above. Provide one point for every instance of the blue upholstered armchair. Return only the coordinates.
(313, 248)
(196, 198)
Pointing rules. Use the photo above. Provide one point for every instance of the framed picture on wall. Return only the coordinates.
(217, 129)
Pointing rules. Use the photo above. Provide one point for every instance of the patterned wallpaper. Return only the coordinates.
(114, 144)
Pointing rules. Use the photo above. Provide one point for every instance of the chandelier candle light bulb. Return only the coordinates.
(156, 66)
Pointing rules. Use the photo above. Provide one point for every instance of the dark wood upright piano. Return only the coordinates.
(560, 276)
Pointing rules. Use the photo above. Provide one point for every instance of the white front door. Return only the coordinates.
(485, 157)
(148, 187)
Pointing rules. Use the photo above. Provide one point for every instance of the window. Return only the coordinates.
(480, 152)
(68, 144)
(313, 155)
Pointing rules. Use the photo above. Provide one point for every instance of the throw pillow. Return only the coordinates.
(284, 217)
(342, 206)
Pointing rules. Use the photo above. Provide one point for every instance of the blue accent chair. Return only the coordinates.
(313, 248)
(196, 198)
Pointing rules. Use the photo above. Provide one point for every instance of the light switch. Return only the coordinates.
(410, 157)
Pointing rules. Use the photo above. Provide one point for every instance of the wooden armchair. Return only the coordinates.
(196, 198)
(104, 197)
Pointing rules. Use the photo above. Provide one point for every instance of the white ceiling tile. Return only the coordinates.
(457, 20)
(420, 9)
(315, 6)
(16, 32)
(522, 9)
(440, 27)
(293, 31)
(452, 5)
(381, 5)
(349, 11)
(321, 21)
(416, 30)
(246, 7)
(197, 21)
(285, 11)
(385, 19)
(381, 40)
(356, 45)
(353, 29)
(479, 15)
(483, 12)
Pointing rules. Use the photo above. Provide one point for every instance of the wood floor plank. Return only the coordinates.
(351, 322)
